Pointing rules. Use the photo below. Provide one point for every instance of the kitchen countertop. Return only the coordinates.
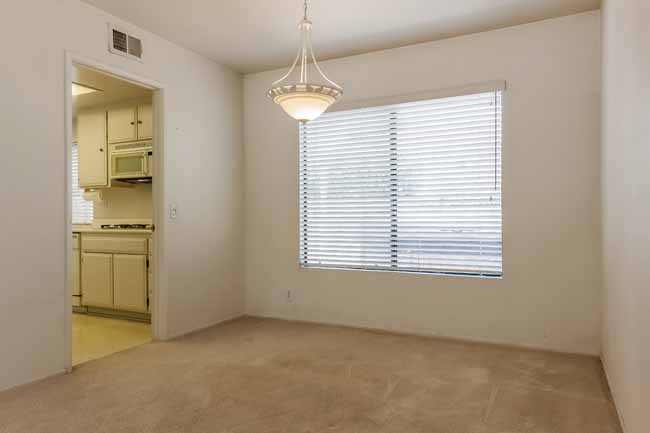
(91, 229)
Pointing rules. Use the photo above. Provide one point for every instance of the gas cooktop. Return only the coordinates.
(127, 226)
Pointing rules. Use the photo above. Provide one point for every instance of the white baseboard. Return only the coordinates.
(31, 382)
(178, 335)
(611, 390)
(394, 331)
(204, 327)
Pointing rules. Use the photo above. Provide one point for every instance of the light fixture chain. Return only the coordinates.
(305, 7)
(303, 64)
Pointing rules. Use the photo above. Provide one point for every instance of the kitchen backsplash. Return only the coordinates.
(133, 202)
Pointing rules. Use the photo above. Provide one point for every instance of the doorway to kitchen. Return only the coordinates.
(113, 152)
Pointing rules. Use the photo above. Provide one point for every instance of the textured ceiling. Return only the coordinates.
(257, 35)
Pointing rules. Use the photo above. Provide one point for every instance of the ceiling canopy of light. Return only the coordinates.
(305, 100)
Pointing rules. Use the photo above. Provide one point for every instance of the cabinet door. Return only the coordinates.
(150, 273)
(74, 129)
(130, 282)
(149, 289)
(91, 145)
(97, 280)
(145, 122)
(76, 283)
(122, 125)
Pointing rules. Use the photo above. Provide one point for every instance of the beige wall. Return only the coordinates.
(550, 294)
(626, 207)
(124, 203)
(204, 176)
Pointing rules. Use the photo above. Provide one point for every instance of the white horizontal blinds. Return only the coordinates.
(408, 187)
(82, 210)
(449, 184)
(345, 190)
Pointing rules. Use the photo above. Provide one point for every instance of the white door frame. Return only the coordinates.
(159, 304)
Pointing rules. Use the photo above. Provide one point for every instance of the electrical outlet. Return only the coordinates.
(172, 211)
(289, 297)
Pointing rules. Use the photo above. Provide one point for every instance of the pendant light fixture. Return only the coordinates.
(305, 100)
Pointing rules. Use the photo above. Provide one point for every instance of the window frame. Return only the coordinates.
(486, 87)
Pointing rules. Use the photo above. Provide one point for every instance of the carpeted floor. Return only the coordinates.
(262, 376)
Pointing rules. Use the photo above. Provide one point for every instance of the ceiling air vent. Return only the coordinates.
(124, 44)
(135, 47)
(119, 41)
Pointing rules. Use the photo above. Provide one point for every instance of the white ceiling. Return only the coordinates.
(257, 35)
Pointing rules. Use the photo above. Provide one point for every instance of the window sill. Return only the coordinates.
(403, 271)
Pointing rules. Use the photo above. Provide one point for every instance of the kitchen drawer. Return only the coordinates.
(119, 244)
(75, 241)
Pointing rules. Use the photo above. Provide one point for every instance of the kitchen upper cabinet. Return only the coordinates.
(130, 123)
(91, 145)
(121, 123)
(97, 279)
(145, 122)
(130, 282)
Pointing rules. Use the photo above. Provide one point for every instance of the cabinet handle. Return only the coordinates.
(139, 122)
(132, 123)
(101, 150)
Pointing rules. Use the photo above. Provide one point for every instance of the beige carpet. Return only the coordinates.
(263, 376)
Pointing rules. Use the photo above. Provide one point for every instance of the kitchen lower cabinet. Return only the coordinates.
(76, 275)
(115, 271)
(97, 279)
(130, 282)
(75, 271)
(150, 274)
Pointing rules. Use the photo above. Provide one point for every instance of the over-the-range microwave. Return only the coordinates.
(131, 162)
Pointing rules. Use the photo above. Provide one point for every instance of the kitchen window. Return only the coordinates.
(410, 187)
(82, 210)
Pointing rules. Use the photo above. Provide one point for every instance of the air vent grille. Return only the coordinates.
(129, 146)
(124, 44)
(119, 41)
(135, 47)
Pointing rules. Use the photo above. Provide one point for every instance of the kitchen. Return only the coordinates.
(112, 214)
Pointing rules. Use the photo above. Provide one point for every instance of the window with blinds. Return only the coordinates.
(82, 210)
(411, 187)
